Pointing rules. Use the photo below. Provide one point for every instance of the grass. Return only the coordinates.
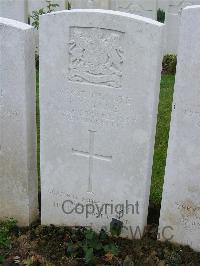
(160, 152)
(161, 141)
(5, 229)
(38, 122)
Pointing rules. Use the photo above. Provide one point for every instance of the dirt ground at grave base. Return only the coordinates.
(48, 246)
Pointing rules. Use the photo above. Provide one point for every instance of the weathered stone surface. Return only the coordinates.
(14, 9)
(99, 96)
(18, 172)
(172, 21)
(162, 4)
(181, 197)
(145, 8)
(90, 4)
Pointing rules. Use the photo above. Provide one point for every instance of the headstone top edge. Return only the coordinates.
(103, 11)
(15, 24)
(188, 8)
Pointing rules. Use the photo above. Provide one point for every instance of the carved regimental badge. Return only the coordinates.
(96, 56)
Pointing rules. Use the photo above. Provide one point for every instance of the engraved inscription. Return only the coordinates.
(100, 108)
(91, 155)
(96, 56)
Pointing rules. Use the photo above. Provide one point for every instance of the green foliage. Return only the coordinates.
(51, 7)
(5, 229)
(174, 259)
(111, 248)
(169, 64)
(35, 16)
(88, 244)
(161, 15)
(68, 5)
(2, 258)
(38, 122)
(37, 13)
(162, 134)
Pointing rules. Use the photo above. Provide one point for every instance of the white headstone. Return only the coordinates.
(145, 8)
(91, 4)
(180, 212)
(172, 21)
(14, 9)
(162, 4)
(18, 172)
(99, 97)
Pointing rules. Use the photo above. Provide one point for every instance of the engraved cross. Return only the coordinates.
(91, 155)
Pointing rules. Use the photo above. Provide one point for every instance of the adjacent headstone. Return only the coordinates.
(99, 97)
(14, 9)
(180, 211)
(18, 172)
(90, 4)
(38, 4)
(162, 4)
(34, 5)
(145, 8)
(172, 21)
